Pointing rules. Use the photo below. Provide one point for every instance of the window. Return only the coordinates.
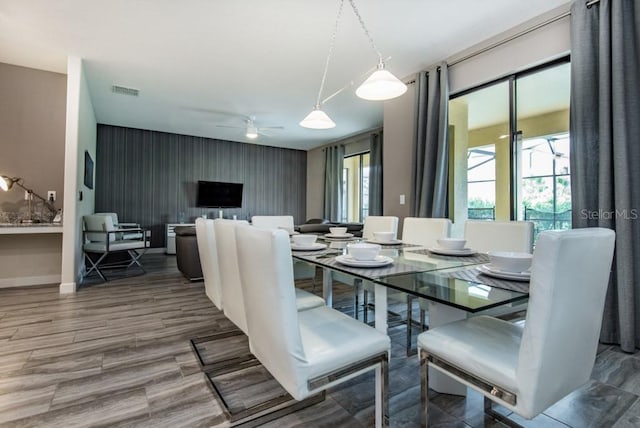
(481, 182)
(546, 182)
(355, 188)
(510, 154)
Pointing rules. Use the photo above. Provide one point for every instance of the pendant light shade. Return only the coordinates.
(381, 85)
(317, 119)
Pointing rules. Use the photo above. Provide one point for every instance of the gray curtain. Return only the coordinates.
(605, 148)
(431, 149)
(334, 161)
(375, 174)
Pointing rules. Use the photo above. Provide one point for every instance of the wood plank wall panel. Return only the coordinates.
(150, 177)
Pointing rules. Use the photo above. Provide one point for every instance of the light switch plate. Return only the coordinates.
(401, 199)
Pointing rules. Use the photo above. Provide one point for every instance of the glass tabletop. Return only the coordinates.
(444, 287)
(404, 258)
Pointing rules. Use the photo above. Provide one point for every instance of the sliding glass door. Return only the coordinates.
(355, 187)
(510, 149)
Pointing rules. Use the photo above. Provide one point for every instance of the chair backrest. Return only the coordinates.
(485, 236)
(569, 280)
(374, 223)
(99, 222)
(270, 300)
(233, 304)
(425, 231)
(208, 252)
(273, 222)
(114, 218)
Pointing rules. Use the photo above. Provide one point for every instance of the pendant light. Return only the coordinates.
(318, 119)
(381, 85)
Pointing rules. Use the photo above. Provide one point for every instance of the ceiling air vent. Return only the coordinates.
(122, 90)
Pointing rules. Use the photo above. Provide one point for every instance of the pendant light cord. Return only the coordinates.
(364, 28)
(331, 45)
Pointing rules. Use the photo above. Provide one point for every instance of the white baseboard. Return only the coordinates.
(67, 287)
(29, 280)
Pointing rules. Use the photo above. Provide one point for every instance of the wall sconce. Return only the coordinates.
(6, 183)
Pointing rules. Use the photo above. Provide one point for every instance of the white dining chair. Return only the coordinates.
(425, 233)
(305, 351)
(374, 223)
(232, 297)
(371, 224)
(220, 262)
(273, 222)
(527, 369)
(208, 252)
(301, 270)
(485, 236)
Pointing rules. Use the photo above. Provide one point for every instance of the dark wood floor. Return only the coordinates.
(118, 354)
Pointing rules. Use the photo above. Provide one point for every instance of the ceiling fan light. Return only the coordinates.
(317, 119)
(381, 85)
(252, 132)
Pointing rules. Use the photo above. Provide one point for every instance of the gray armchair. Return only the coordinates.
(102, 238)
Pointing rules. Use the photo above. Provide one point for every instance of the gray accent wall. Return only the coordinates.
(150, 177)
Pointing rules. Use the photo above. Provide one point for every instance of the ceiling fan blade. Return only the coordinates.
(230, 126)
(270, 127)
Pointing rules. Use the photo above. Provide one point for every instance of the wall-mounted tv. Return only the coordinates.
(216, 194)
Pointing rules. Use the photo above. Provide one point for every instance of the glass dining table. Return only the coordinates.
(452, 287)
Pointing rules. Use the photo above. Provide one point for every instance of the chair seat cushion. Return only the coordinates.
(333, 340)
(482, 345)
(113, 246)
(306, 300)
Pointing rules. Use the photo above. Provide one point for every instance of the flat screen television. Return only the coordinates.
(216, 194)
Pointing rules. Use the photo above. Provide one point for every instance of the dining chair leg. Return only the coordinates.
(424, 388)
(409, 322)
(382, 393)
(365, 306)
(357, 285)
(488, 410)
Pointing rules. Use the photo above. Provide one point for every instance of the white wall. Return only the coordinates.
(536, 47)
(397, 154)
(80, 136)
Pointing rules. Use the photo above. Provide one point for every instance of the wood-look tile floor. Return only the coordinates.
(118, 354)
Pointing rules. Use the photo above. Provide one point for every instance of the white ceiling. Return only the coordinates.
(198, 63)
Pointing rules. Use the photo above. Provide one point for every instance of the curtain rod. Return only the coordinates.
(517, 35)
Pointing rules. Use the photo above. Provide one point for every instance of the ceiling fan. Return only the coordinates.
(252, 130)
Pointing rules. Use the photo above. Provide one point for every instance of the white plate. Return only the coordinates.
(497, 273)
(332, 236)
(447, 252)
(377, 262)
(391, 242)
(312, 247)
